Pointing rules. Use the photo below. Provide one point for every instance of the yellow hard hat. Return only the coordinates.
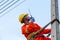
(21, 16)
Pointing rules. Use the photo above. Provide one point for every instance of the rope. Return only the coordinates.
(52, 22)
(35, 33)
(48, 24)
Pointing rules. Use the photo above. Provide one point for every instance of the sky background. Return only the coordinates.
(10, 27)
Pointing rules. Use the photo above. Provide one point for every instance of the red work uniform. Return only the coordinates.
(33, 27)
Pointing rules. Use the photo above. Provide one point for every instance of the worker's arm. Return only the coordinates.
(46, 31)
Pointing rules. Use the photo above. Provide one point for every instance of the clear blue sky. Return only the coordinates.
(10, 28)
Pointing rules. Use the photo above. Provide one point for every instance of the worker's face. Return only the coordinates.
(26, 19)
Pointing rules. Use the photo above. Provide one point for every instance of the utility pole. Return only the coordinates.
(54, 15)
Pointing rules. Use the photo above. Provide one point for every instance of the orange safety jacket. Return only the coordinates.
(33, 27)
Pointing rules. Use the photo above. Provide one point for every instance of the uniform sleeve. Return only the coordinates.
(46, 31)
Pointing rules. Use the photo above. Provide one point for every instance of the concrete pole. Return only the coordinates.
(55, 25)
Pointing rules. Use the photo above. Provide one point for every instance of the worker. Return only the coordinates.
(29, 27)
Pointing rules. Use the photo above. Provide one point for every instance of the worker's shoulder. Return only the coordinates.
(36, 23)
(32, 23)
